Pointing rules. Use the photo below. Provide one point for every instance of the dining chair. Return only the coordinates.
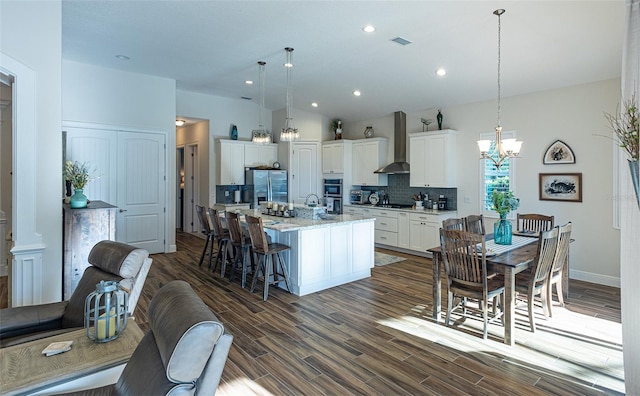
(222, 238)
(205, 228)
(464, 258)
(475, 224)
(559, 260)
(241, 245)
(453, 223)
(534, 222)
(270, 257)
(535, 281)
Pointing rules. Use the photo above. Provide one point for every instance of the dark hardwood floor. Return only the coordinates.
(375, 337)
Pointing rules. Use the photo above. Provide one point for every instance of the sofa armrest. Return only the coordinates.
(210, 378)
(30, 319)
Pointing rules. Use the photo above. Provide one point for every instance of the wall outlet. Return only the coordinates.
(226, 193)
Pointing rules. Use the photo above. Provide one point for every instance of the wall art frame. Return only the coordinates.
(558, 152)
(565, 187)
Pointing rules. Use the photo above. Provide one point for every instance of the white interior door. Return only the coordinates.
(304, 171)
(141, 190)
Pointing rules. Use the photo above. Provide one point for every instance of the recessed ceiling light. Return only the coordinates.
(369, 29)
(122, 57)
(441, 72)
(180, 123)
(248, 82)
(357, 93)
(314, 104)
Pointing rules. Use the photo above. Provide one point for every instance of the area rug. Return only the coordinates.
(384, 259)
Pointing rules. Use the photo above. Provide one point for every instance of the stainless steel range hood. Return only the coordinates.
(399, 164)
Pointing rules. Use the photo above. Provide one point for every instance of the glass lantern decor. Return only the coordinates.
(105, 311)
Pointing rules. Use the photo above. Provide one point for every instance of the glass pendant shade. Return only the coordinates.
(507, 148)
(261, 135)
(289, 132)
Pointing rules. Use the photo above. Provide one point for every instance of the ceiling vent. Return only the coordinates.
(401, 40)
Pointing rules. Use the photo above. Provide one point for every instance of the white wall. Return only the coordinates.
(98, 95)
(573, 115)
(221, 113)
(312, 126)
(30, 33)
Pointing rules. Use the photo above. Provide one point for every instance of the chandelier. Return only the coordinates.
(261, 135)
(289, 133)
(507, 148)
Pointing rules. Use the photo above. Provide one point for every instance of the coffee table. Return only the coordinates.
(24, 369)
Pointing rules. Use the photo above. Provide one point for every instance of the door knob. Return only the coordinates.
(122, 210)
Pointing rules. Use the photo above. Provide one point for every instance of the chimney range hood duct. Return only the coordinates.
(400, 164)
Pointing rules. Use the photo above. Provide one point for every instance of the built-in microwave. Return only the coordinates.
(333, 195)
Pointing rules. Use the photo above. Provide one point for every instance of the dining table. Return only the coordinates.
(509, 261)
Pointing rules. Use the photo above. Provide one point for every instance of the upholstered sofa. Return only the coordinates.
(183, 353)
(110, 261)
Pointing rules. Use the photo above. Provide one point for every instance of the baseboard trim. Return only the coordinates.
(594, 278)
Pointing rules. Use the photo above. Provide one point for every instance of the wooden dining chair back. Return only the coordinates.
(241, 246)
(223, 238)
(534, 222)
(559, 261)
(474, 224)
(535, 281)
(453, 223)
(270, 261)
(205, 228)
(466, 267)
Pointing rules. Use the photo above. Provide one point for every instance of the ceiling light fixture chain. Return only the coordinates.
(507, 148)
(289, 133)
(261, 135)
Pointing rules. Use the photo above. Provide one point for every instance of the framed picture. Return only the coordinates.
(561, 187)
(559, 153)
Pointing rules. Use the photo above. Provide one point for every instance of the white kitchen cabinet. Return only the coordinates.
(368, 156)
(433, 159)
(337, 156)
(230, 155)
(403, 230)
(352, 210)
(424, 230)
(386, 226)
(260, 154)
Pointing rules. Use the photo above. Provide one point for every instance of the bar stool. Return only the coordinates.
(205, 228)
(222, 238)
(270, 257)
(241, 246)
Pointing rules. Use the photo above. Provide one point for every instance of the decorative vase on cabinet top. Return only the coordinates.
(78, 199)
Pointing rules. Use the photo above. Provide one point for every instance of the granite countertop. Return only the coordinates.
(284, 224)
(410, 210)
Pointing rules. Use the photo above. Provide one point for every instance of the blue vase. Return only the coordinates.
(78, 199)
(502, 231)
(234, 133)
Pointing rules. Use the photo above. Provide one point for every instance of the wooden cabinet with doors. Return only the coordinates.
(337, 156)
(368, 156)
(433, 159)
(260, 154)
(230, 155)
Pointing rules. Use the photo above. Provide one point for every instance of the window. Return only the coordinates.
(495, 179)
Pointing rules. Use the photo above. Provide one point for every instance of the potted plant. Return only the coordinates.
(503, 203)
(626, 129)
(78, 175)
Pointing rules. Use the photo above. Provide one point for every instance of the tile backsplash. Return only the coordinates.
(224, 194)
(400, 193)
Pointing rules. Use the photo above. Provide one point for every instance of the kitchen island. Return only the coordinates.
(324, 253)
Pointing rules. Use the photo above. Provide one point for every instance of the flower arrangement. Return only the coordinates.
(77, 173)
(626, 127)
(504, 202)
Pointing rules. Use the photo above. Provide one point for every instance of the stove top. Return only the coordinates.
(394, 206)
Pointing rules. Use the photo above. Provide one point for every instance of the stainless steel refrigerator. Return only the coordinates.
(265, 185)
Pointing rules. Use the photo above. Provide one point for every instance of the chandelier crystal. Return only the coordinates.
(507, 148)
(261, 135)
(289, 133)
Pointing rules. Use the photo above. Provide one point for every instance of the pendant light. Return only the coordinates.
(261, 135)
(507, 148)
(289, 133)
